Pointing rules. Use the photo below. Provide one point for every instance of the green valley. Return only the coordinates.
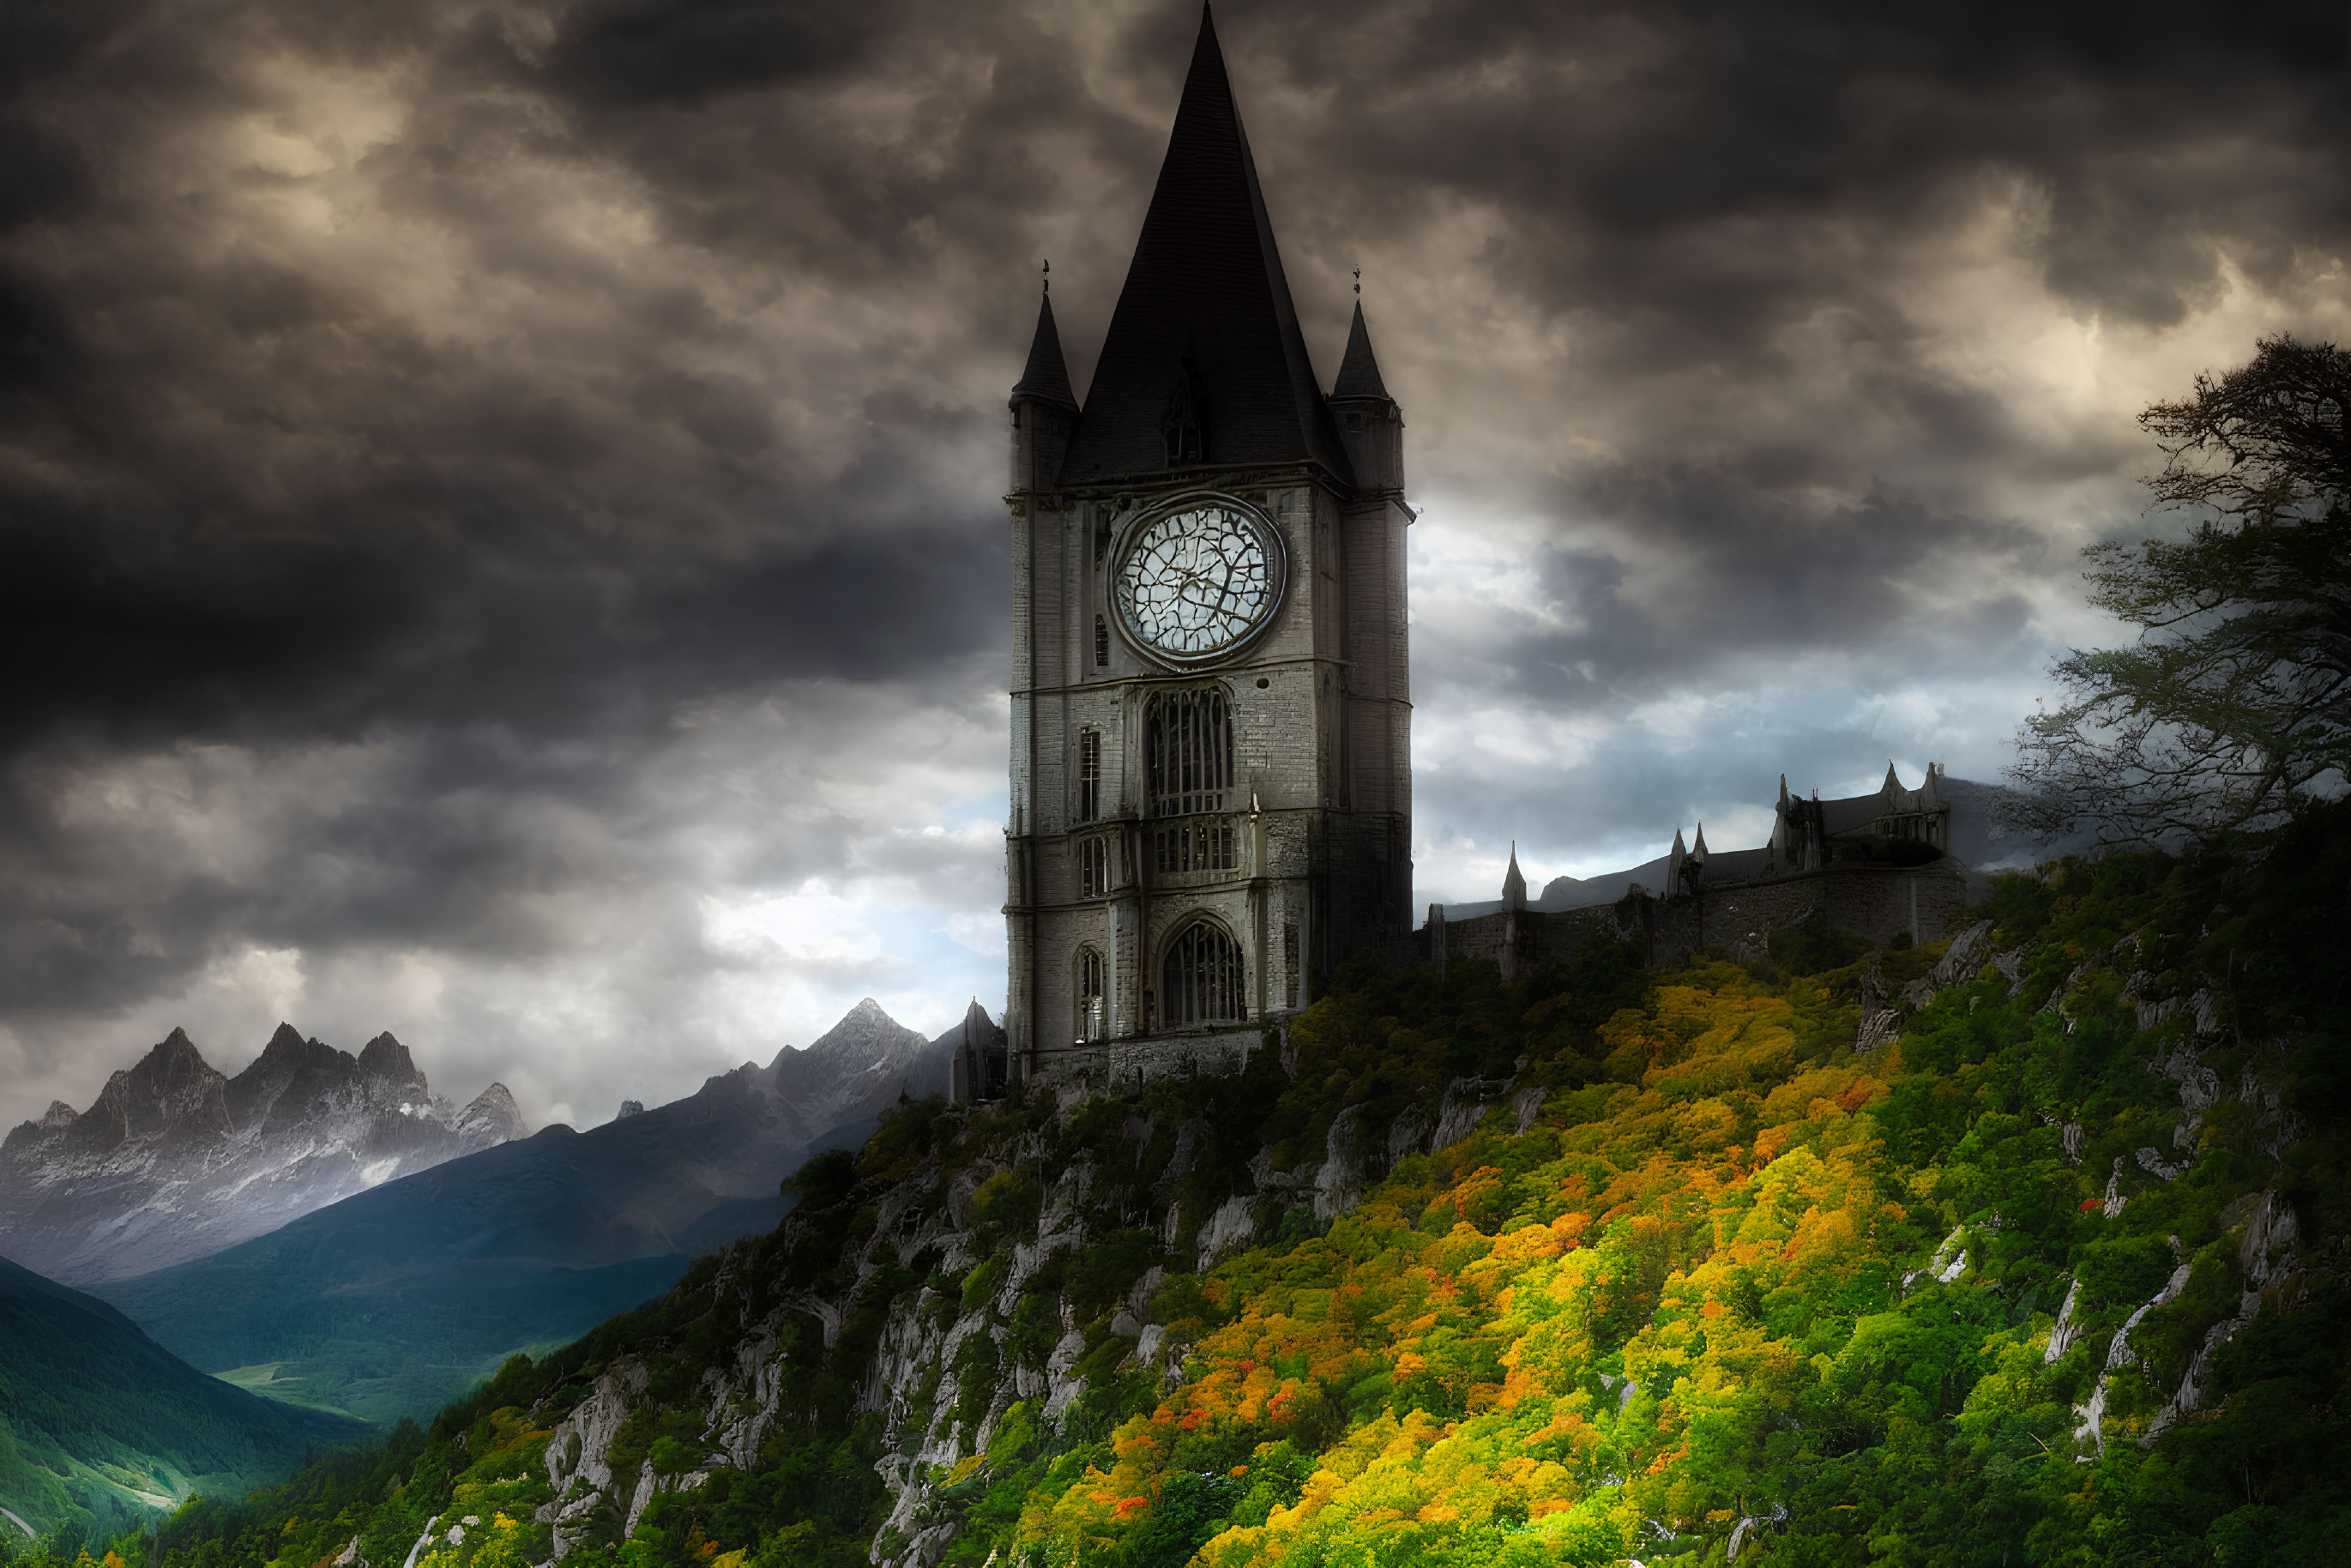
(98, 1423)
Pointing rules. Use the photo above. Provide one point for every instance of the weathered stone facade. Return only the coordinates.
(1300, 853)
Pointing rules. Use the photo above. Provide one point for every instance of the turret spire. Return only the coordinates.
(1048, 374)
(1359, 372)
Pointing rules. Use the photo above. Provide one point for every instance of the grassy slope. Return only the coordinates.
(1685, 1303)
(92, 1412)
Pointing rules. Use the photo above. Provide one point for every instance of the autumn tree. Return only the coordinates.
(2231, 705)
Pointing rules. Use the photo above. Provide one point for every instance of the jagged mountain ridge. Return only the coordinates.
(176, 1159)
(392, 1300)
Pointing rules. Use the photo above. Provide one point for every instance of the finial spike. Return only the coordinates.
(1049, 275)
(1359, 283)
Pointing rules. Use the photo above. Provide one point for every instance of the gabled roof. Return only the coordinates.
(1205, 287)
(1359, 373)
(1047, 375)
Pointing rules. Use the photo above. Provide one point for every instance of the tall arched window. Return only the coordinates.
(1089, 775)
(1093, 866)
(1089, 1022)
(1201, 981)
(1188, 741)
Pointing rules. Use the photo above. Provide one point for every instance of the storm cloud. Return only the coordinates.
(499, 535)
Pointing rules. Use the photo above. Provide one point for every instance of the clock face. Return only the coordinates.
(1199, 583)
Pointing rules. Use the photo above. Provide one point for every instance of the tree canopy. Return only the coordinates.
(2232, 706)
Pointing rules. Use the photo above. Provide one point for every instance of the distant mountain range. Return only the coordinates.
(391, 1300)
(90, 1405)
(175, 1160)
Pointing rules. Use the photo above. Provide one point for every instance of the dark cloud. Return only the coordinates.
(508, 497)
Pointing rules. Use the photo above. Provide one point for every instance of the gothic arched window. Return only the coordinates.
(1093, 866)
(1188, 741)
(1090, 1007)
(1201, 980)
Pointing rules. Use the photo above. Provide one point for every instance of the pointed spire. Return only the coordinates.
(1679, 848)
(1514, 881)
(1893, 780)
(1698, 849)
(1047, 375)
(1205, 313)
(1359, 372)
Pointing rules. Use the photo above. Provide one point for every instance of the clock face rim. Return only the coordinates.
(1277, 555)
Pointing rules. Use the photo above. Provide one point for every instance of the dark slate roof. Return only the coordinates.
(1359, 373)
(1048, 376)
(1207, 286)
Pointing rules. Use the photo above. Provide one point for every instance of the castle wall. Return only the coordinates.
(1873, 902)
(1123, 1066)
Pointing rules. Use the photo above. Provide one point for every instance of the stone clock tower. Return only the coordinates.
(1211, 725)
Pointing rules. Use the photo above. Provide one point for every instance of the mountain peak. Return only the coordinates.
(172, 1059)
(59, 1114)
(494, 1111)
(385, 1057)
(286, 1038)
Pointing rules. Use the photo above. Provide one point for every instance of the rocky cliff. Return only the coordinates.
(174, 1159)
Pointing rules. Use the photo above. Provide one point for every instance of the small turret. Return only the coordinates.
(1044, 409)
(1370, 424)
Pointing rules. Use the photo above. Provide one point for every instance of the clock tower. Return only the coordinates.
(1211, 770)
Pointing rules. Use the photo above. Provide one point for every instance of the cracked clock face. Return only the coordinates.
(1199, 583)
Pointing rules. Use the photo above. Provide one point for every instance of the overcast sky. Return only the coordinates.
(499, 521)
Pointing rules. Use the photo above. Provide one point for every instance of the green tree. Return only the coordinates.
(2232, 706)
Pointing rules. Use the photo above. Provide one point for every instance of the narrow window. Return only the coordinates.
(1201, 979)
(1093, 866)
(1088, 1024)
(1089, 775)
(1290, 965)
(1102, 641)
(1188, 740)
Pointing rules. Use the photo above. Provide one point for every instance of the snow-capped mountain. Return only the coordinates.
(445, 1273)
(175, 1160)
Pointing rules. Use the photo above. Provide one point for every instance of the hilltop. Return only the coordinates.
(1603, 1265)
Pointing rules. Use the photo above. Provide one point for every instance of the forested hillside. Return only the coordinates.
(1606, 1265)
